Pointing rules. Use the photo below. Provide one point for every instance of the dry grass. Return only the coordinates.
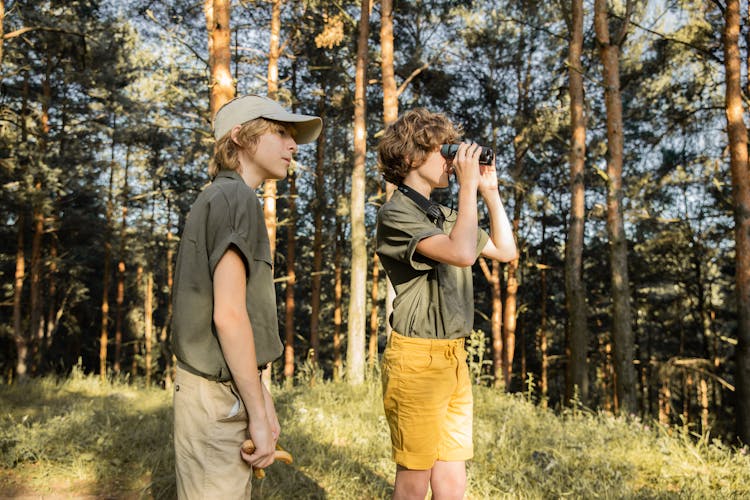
(81, 438)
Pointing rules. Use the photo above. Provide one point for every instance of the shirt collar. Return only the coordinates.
(229, 174)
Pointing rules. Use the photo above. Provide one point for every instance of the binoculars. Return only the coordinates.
(449, 152)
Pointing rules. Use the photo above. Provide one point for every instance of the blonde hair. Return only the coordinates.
(407, 142)
(227, 150)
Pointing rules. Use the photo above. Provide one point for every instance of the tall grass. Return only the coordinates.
(79, 437)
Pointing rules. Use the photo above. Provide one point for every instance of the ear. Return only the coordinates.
(235, 130)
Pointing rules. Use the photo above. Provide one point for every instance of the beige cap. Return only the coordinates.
(243, 109)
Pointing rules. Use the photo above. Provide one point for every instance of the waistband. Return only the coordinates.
(433, 345)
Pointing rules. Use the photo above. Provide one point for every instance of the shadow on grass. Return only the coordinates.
(316, 469)
(105, 446)
(67, 442)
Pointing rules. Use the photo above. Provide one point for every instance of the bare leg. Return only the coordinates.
(448, 480)
(411, 484)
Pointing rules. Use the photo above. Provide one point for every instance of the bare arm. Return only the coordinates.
(502, 244)
(459, 248)
(235, 335)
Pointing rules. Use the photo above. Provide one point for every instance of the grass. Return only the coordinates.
(82, 438)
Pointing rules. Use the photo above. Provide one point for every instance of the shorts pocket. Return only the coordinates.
(230, 408)
(416, 361)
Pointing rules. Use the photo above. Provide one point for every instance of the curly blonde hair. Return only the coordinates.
(407, 142)
(226, 152)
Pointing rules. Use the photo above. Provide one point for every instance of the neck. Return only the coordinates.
(418, 184)
(248, 173)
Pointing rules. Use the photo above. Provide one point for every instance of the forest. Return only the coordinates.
(622, 156)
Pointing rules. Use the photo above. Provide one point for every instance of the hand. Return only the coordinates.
(466, 165)
(261, 433)
(488, 180)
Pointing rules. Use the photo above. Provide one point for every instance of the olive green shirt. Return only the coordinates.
(226, 214)
(433, 300)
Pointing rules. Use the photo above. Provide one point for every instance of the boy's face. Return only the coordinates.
(436, 170)
(274, 152)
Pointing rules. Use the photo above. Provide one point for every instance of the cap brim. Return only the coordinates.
(307, 127)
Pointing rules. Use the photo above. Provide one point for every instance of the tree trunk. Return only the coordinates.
(120, 300)
(104, 330)
(496, 322)
(338, 365)
(738, 159)
(164, 339)
(577, 379)
(219, 54)
(290, 281)
(2, 33)
(51, 323)
(543, 322)
(372, 349)
(318, 208)
(19, 335)
(269, 186)
(35, 316)
(509, 309)
(355, 347)
(390, 115)
(148, 321)
(622, 331)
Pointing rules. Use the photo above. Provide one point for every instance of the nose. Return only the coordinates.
(292, 145)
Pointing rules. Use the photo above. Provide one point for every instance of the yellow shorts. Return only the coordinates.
(427, 400)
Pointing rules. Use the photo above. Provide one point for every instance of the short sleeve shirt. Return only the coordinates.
(433, 300)
(226, 214)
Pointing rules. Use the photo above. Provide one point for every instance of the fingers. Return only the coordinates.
(247, 452)
(252, 456)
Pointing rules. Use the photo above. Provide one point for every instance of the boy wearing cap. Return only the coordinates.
(224, 324)
(427, 251)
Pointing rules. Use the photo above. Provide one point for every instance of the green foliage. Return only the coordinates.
(476, 347)
(80, 437)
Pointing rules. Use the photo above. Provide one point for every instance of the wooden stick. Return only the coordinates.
(281, 455)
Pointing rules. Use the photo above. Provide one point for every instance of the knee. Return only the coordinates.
(448, 487)
(411, 487)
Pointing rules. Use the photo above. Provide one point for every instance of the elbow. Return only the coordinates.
(509, 254)
(225, 318)
(466, 259)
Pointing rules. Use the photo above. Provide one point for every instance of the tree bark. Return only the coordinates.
(2, 34)
(578, 338)
(509, 309)
(269, 186)
(372, 348)
(338, 365)
(164, 340)
(390, 115)
(355, 347)
(738, 160)
(622, 331)
(543, 334)
(18, 332)
(148, 311)
(120, 298)
(219, 35)
(496, 322)
(290, 281)
(318, 208)
(104, 328)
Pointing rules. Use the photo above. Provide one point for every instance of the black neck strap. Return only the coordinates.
(430, 208)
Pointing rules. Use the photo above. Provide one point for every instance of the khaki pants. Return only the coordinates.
(210, 424)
